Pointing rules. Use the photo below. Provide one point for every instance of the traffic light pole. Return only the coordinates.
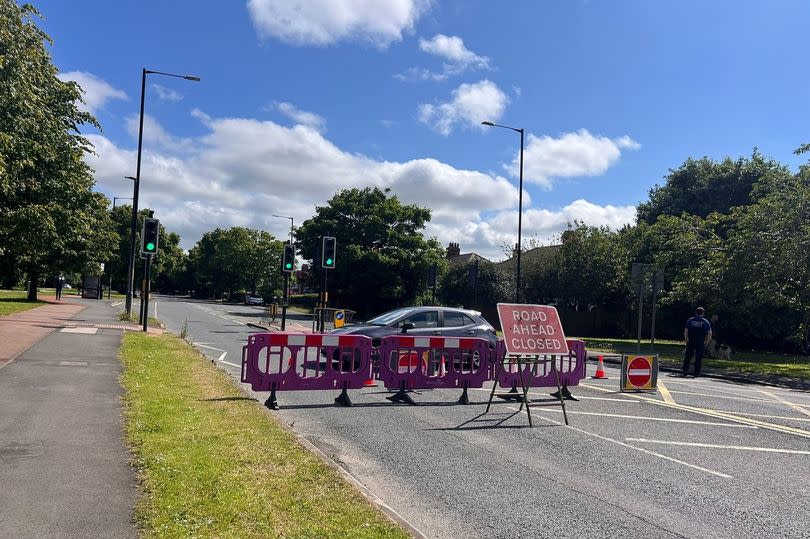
(145, 295)
(285, 300)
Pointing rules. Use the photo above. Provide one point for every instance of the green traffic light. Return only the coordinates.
(289, 266)
(150, 246)
(329, 262)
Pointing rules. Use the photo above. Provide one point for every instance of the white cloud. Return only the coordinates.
(243, 170)
(96, 91)
(452, 49)
(322, 22)
(167, 94)
(458, 59)
(572, 154)
(302, 117)
(470, 105)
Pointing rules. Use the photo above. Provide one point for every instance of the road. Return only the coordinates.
(702, 458)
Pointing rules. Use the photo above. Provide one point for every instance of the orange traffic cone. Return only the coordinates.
(370, 383)
(442, 368)
(600, 369)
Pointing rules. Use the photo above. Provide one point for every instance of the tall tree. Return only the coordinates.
(382, 256)
(700, 187)
(50, 219)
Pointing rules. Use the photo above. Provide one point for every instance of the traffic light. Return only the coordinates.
(288, 260)
(328, 252)
(149, 236)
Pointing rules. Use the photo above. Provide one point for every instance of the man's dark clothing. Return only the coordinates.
(697, 327)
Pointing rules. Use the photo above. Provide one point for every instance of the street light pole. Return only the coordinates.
(520, 205)
(136, 189)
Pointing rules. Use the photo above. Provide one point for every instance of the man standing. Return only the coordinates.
(696, 333)
(60, 283)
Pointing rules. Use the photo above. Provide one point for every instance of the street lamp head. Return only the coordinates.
(130, 178)
(191, 77)
(488, 123)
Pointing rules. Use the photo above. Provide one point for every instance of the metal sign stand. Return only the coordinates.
(523, 397)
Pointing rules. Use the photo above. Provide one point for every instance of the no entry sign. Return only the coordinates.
(639, 372)
(531, 329)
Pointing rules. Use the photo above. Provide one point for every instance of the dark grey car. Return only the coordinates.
(424, 322)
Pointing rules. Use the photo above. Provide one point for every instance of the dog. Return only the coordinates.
(716, 350)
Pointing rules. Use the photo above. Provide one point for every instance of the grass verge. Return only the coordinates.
(213, 463)
(14, 301)
(743, 361)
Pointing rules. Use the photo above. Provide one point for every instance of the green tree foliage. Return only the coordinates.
(382, 255)
(590, 267)
(700, 187)
(50, 219)
(236, 259)
(494, 284)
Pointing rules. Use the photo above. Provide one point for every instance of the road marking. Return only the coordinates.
(665, 393)
(797, 407)
(753, 399)
(715, 413)
(607, 399)
(664, 419)
(231, 364)
(643, 450)
(116, 303)
(205, 346)
(718, 446)
(766, 415)
(222, 356)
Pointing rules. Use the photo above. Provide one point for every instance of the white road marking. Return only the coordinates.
(718, 446)
(582, 397)
(116, 303)
(766, 415)
(86, 331)
(664, 419)
(222, 356)
(205, 346)
(232, 364)
(718, 414)
(643, 450)
(754, 399)
(795, 406)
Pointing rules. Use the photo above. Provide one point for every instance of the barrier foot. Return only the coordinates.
(402, 396)
(271, 401)
(512, 394)
(343, 399)
(464, 398)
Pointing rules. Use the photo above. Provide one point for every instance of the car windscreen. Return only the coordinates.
(387, 318)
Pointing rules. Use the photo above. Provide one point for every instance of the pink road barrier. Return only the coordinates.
(571, 368)
(297, 361)
(406, 363)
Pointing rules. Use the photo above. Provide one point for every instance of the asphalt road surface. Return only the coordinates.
(701, 458)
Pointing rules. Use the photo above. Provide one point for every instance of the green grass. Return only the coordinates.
(743, 361)
(214, 463)
(14, 301)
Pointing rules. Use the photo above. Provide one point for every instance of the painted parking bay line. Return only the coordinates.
(795, 406)
(719, 446)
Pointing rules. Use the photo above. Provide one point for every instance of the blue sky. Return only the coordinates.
(301, 98)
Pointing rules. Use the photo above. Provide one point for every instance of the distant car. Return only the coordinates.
(254, 300)
(424, 322)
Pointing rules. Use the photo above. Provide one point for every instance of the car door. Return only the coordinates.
(426, 323)
(458, 324)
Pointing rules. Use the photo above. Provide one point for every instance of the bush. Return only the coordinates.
(304, 301)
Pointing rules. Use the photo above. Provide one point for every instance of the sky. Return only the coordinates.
(299, 99)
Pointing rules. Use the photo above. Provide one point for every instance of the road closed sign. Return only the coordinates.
(531, 329)
(639, 372)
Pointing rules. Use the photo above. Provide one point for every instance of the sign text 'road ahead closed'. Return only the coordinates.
(531, 329)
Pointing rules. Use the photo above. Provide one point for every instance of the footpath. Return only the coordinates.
(63, 462)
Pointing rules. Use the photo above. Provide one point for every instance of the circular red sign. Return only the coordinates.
(639, 371)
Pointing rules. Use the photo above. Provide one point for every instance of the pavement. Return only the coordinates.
(63, 461)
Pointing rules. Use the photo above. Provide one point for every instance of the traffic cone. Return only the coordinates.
(600, 369)
(370, 383)
(442, 368)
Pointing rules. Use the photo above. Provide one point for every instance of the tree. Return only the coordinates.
(236, 259)
(382, 256)
(50, 219)
(700, 187)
